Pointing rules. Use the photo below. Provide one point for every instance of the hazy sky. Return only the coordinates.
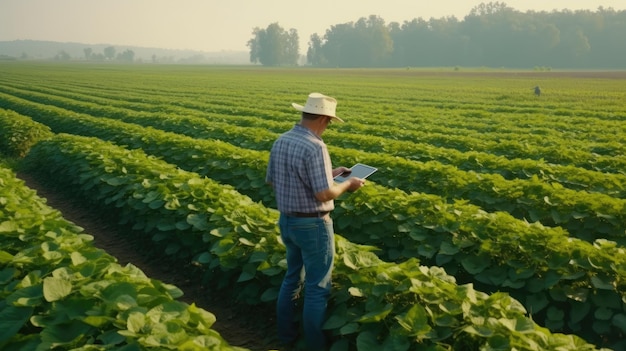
(211, 25)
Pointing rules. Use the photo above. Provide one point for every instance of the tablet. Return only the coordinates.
(359, 170)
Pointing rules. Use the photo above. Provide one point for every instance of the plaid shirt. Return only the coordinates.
(299, 167)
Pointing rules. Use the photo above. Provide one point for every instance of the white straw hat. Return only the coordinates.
(319, 104)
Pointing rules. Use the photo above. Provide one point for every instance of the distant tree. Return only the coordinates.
(98, 57)
(126, 56)
(62, 56)
(491, 8)
(366, 43)
(274, 46)
(314, 54)
(492, 35)
(292, 47)
(109, 52)
(436, 42)
(88, 53)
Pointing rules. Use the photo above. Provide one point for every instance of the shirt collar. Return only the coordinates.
(302, 129)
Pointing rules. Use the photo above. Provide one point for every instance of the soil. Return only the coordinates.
(238, 325)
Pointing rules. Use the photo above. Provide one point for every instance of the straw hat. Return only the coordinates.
(319, 104)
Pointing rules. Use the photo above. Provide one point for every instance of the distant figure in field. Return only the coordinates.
(537, 90)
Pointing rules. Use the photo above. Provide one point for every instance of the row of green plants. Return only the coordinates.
(560, 279)
(18, 133)
(59, 292)
(589, 216)
(470, 116)
(375, 304)
(501, 139)
(252, 127)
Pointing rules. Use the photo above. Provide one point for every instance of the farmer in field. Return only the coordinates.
(537, 90)
(300, 171)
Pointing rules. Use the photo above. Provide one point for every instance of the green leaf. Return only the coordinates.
(349, 328)
(222, 246)
(258, 256)
(475, 264)
(336, 320)
(495, 275)
(269, 295)
(367, 340)
(221, 232)
(248, 272)
(12, 319)
(116, 181)
(55, 289)
(600, 282)
(204, 258)
(7, 274)
(555, 314)
(480, 330)
(64, 334)
(536, 302)
(447, 248)
(619, 320)
(355, 291)
(8, 227)
(499, 342)
(198, 221)
(5, 257)
(415, 321)
(376, 315)
(135, 322)
(246, 242)
(156, 204)
(603, 313)
(579, 311)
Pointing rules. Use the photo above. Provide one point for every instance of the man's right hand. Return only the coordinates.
(355, 183)
(351, 184)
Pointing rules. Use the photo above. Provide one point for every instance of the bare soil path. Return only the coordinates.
(239, 325)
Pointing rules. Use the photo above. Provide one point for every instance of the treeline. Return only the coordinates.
(492, 35)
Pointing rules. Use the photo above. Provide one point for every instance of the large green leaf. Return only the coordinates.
(376, 315)
(619, 320)
(12, 319)
(415, 321)
(28, 296)
(64, 334)
(475, 264)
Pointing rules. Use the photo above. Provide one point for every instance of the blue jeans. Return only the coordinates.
(310, 254)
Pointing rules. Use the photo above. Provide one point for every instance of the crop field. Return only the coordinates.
(496, 221)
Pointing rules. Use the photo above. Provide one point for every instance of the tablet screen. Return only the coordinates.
(359, 170)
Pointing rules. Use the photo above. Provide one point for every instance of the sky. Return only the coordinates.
(223, 25)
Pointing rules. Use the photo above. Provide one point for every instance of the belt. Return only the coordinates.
(308, 215)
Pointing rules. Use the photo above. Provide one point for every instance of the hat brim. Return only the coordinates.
(301, 109)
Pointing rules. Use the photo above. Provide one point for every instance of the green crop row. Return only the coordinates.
(59, 292)
(541, 266)
(576, 178)
(470, 116)
(589, 216)
(374, 304)
(18, 133)
(557, 148)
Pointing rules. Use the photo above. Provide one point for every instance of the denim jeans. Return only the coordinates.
(310, 255)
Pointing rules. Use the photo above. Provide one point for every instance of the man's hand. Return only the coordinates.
(341, 171)
(355, 183)
(352, 184)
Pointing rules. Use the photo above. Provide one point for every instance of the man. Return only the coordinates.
(301, 174)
